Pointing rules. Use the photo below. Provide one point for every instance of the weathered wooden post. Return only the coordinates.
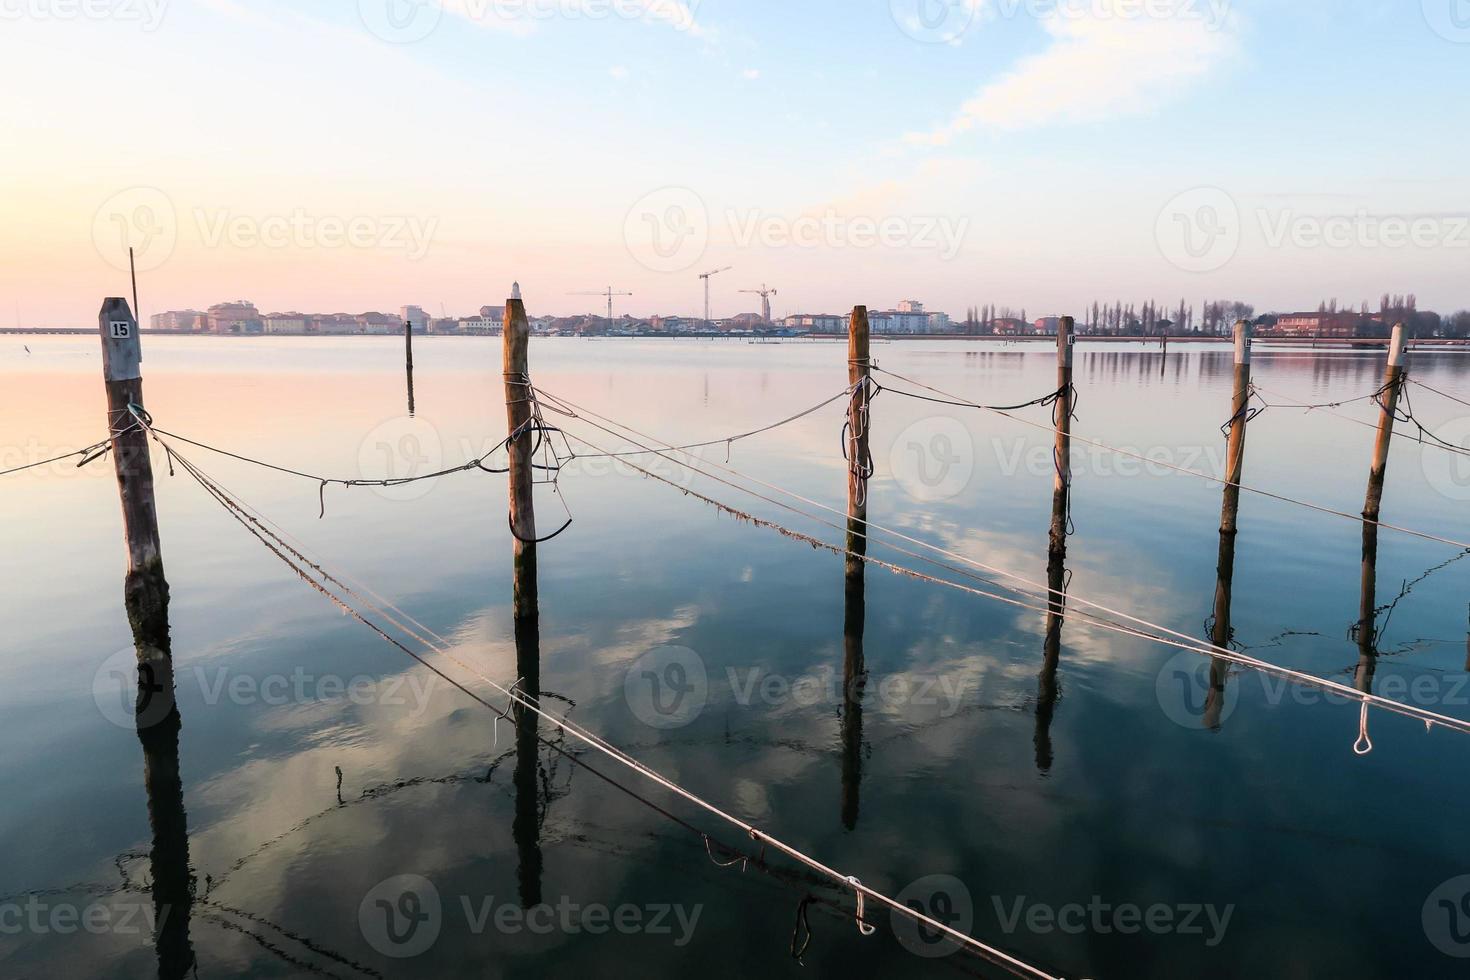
(854, 676)
(859, 370)
(408, 359)
(1048, 690)
(1366, 630)
(145, 589)
(1220, 630)
(1062, 487)
(1393, 385)
(526, 823)
(1240, 414)
(854, 669)
(516, 369)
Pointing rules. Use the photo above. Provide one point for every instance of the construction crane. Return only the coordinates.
(708, 323)
(609, 293)
(765, 295)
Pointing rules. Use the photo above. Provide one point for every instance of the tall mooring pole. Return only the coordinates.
(1393, 386)
(408, 359)
(145, 589)
(859, 370)
(854, 667)
(1062, 486)
(1240, 414)
(516, 370)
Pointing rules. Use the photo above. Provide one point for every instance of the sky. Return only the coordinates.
(352, 155)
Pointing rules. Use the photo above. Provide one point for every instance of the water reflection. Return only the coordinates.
(526, 827)
(158, 723)
(1222, 633)
(854, 671)
(1048, 690)
(1365, 631)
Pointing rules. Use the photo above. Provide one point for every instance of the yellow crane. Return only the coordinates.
(609, 292)
(765, 295)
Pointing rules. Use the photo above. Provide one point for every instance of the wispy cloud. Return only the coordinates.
(1103, 62)
(525, 16)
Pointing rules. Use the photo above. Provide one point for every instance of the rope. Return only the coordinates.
(520, 699)
(728, 440)
(1442, 394)
(1163, 634)
(1356, 518)
(91, 453)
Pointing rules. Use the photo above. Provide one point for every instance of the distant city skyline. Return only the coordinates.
(1036, 154)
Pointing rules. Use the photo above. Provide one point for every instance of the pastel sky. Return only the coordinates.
(362, 154)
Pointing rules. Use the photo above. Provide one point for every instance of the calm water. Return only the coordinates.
(1262, 846)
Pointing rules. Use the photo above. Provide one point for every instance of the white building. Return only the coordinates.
(816, 322)
(899, 321)
(416, 316)
(285, 323)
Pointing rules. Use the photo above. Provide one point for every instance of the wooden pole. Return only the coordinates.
(1047, 688)
(1220, 631)
(408, 359)
(145, 589)
(854, 669)
(854, 677)
(1240, 411)
(526, 823)
(1393, 384)
(859, 369)
(1062, 486)
(516, 369)
(1366, 632)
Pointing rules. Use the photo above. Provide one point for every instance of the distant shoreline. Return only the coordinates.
(1326, 343)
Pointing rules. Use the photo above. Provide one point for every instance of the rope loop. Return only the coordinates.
(1364, 744)
(862, 925)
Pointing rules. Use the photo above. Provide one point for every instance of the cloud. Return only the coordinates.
(522, 17)
(618, 71)
(751, 74)
(1107, 58)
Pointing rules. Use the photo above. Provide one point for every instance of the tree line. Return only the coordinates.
(1217, 318)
